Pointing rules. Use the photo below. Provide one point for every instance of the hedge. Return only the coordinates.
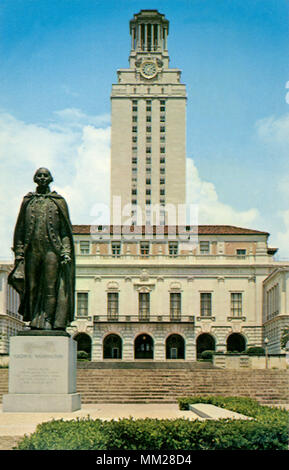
(268, 430)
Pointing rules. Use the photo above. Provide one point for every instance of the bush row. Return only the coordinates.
(268, 430)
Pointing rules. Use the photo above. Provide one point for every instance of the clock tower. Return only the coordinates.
(148, 129)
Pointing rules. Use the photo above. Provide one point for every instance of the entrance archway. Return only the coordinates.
(144, 347)
(112, 347)
(236, 343)
(205, 342)
(175, 347)
(83, 343)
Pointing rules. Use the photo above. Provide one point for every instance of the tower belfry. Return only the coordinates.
(148, 134)
(149, 30)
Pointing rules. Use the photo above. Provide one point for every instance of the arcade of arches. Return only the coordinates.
(175, 345)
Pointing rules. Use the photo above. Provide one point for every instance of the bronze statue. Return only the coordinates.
(44, 270)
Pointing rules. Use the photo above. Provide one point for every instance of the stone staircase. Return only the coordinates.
(164, 385)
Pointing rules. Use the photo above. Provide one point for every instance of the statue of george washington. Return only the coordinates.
(44, 270)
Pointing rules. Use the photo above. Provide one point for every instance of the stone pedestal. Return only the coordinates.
(42, 374)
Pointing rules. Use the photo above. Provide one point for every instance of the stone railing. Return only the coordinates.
(244, 361)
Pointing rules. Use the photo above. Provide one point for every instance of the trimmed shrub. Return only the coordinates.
(208, 355)
(255, 351)
(82, 356)
(268, 430)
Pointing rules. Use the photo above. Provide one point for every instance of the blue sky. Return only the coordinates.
(59, 59)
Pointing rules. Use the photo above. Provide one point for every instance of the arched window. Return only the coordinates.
(236, 343)
(205, 342)
(175, 347)
(144, 347)
(83, 343)
(112, 347)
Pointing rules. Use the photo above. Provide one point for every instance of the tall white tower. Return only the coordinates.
(148, 132)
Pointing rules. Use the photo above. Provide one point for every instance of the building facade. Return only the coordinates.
(10, 320)
(159, 296)
(276, 306)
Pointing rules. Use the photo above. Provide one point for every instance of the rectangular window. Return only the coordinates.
(134, 128)
(115, 248)
(162, 170)
(144, 248)
(206, 304)
(149, 119)
(148, 128)
(148, 138)
(148, 150)
(236, 304)
(162, 138)
(162, 181)
(175, 306)
(144, 306)
(148, 169)
(112, 305)
(134, 191)
(148, 181)
(162, 160)
(148, 202)
(148, 108)
(204, 248)
(163, 118)
(134, 108)
(84, 247)
(162, 102)
(134, 138)
(241, 253)
(162, 108)
(134, 118)
(163, 129)
(148, 160)
(134, 160)
(162, 192)
(173, 248)
(162, 149)
(148, 192)
(82, 304)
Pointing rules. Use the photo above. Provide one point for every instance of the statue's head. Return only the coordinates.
(42, 177)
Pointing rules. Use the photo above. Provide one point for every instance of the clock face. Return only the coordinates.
(149, 69)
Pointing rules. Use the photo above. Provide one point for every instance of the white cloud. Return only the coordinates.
(78, 157)
(281, 240)
(274, 130)
(211, 210)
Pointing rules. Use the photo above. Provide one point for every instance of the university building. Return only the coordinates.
(149, 286)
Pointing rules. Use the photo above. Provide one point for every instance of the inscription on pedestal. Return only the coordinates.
(42, 365)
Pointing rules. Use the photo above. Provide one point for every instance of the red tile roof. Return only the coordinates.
(155, 229)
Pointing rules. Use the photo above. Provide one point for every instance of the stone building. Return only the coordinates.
(153, 296)
(276, 306)
(10, 320)
(147, 286)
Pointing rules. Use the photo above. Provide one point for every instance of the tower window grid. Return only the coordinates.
(134, 156)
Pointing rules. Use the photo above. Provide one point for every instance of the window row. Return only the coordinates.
(204, 246)
(144, 305)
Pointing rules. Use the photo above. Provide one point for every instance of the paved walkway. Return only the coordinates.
(14, 425)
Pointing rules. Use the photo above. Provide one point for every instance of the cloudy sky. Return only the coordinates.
(59, 59)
